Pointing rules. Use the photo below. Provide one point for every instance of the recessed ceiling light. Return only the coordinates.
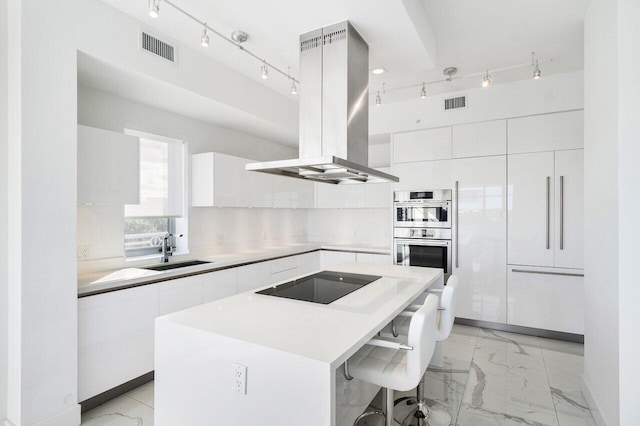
(379, 70)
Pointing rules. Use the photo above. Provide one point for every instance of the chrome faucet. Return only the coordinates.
(166, 248)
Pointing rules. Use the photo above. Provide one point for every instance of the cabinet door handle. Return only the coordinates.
(564, 274)
(456, 219)
(561, 212)
(548, 207)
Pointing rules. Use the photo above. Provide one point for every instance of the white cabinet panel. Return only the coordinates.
(221, 180)
(422, 145)
(382, 259)
(479, 139)
(547, 132)
(423, 175)
(569, 226)
(253, 276)
(332, 258)
(283, 264)
(480, 262)
(308, 262)
(528, 207)
(282, 276)
(115, 338)
(219, 284)
(108, 167)
(372, 195)
(546, 301)
(182, 293)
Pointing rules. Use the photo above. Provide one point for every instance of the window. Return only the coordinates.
(161, 195)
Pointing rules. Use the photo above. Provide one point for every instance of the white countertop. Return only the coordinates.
(128, 277)
(326, 333)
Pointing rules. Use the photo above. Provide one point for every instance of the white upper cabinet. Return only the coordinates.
(292, 193)
(479, 139)
(423, 175)
(547, 132)
(530, 230)
(108, 167)
(370, 195)
(221, 180)
(480, 234)
(422, 145)
(569, 218)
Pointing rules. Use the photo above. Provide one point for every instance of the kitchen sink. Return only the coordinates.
(169, 266)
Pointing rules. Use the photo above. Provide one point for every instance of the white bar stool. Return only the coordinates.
(396, 366)
(446, 318)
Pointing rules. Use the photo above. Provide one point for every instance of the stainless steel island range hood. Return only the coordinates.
(334, 111)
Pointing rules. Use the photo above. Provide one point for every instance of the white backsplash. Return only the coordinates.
(371, 227)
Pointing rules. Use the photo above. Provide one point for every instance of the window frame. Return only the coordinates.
(151, 250)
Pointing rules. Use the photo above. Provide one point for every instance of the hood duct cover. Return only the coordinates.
(334, 111)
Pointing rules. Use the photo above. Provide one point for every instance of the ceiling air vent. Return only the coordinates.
(453, 103)
(157, 47)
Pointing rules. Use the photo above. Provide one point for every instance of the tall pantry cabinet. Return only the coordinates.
(545, 222)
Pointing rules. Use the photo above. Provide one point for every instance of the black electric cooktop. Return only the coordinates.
(324, 287)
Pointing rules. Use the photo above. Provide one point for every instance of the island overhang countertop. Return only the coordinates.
(326, 333)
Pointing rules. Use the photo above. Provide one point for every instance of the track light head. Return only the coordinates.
(154, 8)
(486, 80)
(378, 99)
(423, 92)
(294, 87)
(204, 41)
(536, 72)
(265, 71)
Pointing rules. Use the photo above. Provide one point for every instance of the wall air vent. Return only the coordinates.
(454, 103)
(157, 47)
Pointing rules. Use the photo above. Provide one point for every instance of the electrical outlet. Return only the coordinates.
(83, 252)
(264, 235)
(220, 239)
(240, 378)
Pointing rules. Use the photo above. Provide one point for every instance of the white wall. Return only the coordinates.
(42, 213)
(558, 92)
(601, 199)
(350, 226)
(629, 203)
(4, 205)
(612, 131)
(210, 230)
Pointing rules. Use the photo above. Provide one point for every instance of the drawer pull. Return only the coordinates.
(564, 274)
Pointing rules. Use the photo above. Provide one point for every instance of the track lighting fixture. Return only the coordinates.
(204, 41)
(423, 92)
(486, 80)
(536, 72)
(265, 70)
(154, 8)
(294, 88)
(378, 99)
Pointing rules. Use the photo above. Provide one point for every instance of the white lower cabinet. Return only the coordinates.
(308, 262)
(253, 276)
(481, 256)
(332, 258)
(115, 338)
(219, 284)
(546, 298)
(182, 293)
(382, 259)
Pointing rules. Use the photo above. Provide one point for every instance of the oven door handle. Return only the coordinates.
(444, 204)
(423, 242)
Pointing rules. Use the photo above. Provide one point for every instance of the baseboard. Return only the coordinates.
(100, 399)
(549, 334)
(591, 402)
(69, 417)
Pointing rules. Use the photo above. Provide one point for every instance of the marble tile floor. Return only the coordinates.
(479, 376)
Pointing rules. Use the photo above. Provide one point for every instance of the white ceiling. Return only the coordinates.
(413, 39)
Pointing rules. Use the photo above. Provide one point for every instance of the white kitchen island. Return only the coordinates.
(293, 351)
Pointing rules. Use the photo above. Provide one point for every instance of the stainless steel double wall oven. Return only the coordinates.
(422, 229)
